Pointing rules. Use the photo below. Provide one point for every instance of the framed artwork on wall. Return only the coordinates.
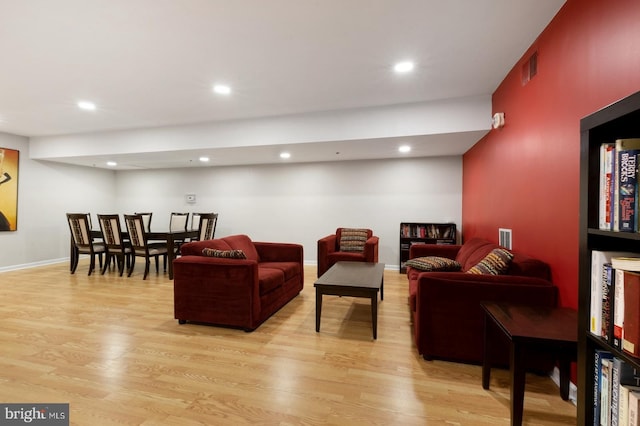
(9, 189)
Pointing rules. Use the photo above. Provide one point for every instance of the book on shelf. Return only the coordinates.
(627, 189)
(605, 391)
(598, 259)
(605, 213)
(625, 380)
(621, 265)
(634, 408)
(631, 327)
(600, 356)
(608, 300)
(621, 145)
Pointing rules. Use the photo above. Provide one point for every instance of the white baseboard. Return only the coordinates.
(573, 390)
(33, 264)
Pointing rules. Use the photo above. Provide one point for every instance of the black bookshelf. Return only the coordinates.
(423, 233)
(616, 121)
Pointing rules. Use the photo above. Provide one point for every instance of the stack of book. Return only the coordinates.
(615, 299)
(618, 201)
(616, 391)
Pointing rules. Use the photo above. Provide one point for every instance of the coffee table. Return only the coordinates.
(355, 279)
(531, 330)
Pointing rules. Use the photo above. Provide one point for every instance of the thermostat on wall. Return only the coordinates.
(190, 198)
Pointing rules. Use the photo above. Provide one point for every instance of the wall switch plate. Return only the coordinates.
(190, 198)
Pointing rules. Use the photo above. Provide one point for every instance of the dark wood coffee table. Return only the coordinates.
(531, 330)
(355, 279)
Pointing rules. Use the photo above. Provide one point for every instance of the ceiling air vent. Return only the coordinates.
(530, 68)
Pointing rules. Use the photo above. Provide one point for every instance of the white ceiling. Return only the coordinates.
(152, 63)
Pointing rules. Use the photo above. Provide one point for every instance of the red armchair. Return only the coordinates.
(339, 247)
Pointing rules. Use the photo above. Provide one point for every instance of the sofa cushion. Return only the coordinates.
(232, 254)
(433, 263)
(473, 251)
(495, 263)
(244, 243)
(269, 279)
(290, 269)
(353, 239)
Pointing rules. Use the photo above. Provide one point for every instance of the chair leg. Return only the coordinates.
(107, 262)
(146, 269)
(133, 264)
(157, 260)
(164, 258)
(92, 264)
(74, 262)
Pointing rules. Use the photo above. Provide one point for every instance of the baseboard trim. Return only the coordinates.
(573, 390)
(32, 264)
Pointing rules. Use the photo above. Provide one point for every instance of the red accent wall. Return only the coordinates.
(525, 176)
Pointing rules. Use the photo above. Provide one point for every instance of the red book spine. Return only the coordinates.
(631, 325)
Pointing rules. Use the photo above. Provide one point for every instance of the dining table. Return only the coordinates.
(171, 237)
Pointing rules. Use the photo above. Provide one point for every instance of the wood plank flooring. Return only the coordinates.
(111, 348)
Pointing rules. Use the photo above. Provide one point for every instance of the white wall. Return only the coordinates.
(46, 192)
(289, 203)
(304, 202)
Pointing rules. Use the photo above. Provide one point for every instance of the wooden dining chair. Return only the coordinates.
(117, 247)
(206, 225)
(82, 241)
(146, 218)
(139, 245)
(178, 222)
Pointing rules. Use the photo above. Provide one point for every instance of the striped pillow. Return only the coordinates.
(495, 263)
(229, 254)
(353, 239)
(433, 263)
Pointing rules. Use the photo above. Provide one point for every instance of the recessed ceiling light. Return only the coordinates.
(285, 155)
(222, 89)
(204, 159)
(404, 148)
(403, 67)
(111, 163)
(87, 106)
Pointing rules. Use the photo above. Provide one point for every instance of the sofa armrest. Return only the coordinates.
(208, 287)
(440, 250)
(448, 313)
(371, 249)
(279, 252)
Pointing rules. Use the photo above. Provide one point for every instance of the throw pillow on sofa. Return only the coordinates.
(229, 254)
(495, 263)
(434, 263)
(353, 239)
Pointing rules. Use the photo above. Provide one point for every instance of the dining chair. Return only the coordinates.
(140, 246)
(82, 241)
(117, 247)
(146, 218)
(206, 225)
(178, 222)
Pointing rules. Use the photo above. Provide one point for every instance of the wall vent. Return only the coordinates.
(530, 68)
(504, 238)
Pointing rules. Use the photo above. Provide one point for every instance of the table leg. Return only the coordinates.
(382, 289)
(374, 314)
(564, 367)
(170, 254)
(486, 363)
(318, 308)
(517, 384)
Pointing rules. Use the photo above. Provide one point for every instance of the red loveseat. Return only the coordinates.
(447, 318)
(236, 292)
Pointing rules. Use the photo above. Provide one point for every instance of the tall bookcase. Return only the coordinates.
(616, 121)
(423, 233)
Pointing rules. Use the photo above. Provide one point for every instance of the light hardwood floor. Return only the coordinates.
(111, 348)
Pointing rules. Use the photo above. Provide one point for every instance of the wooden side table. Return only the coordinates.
(531, 330)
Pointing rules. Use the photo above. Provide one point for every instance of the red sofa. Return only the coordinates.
(447, 318)
(236, 292)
